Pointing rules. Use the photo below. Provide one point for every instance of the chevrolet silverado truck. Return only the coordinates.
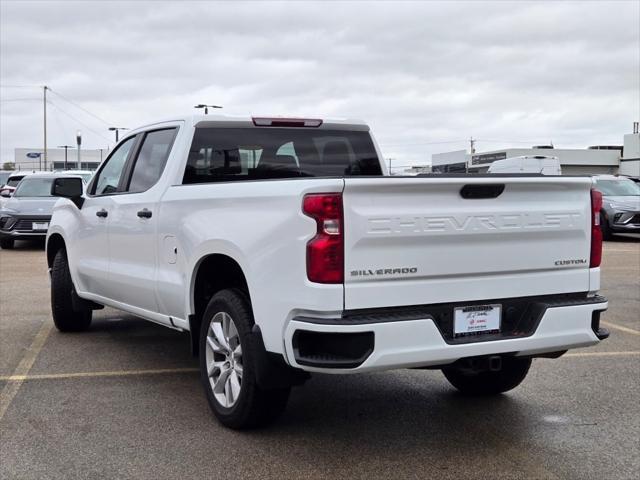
(285, 248)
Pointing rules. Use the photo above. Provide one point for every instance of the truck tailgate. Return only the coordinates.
(414, 241)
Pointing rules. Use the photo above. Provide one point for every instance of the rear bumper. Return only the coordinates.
(392, 342)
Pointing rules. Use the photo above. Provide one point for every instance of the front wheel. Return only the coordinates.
(470, 381)
(6, 243)
(68, 315)
(228, 352)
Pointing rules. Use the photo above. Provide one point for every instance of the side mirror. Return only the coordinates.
(68, 187)
(5, 193)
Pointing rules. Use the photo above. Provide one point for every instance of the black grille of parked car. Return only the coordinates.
(635, 218)
(26, 224)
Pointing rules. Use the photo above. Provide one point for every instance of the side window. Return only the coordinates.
(151, 159)
(109, 176)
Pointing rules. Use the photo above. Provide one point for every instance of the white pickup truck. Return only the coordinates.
(283, 247)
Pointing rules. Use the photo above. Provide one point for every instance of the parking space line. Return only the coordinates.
(621, 328)
(602, 354)
(114, 373)
(11, 388)
(19, 378)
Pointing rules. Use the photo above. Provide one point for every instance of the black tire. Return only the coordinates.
(605, 228)
(486, 382)
(67, 315)
(6, 243)
(253, 406)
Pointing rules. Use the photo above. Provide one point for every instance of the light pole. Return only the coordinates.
(206, 107)
(79, 142)
(117, 129)
(66, 147)
(45, 88)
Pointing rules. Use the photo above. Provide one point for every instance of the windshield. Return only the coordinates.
(235, 154)
(34, 187)
(618, 188)
(13, 181)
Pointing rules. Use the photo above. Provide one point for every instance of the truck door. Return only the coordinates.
(133, 224)
(90, 251)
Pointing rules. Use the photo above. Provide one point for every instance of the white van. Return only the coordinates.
(527, 164)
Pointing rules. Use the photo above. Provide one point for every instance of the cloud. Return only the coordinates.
(421, 73)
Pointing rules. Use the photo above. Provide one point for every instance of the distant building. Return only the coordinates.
(630, 160)
(33, 159)
(417, 169)
(449, 162)
(599, 159)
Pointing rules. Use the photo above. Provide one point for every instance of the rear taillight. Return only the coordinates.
(325, 251)
(596, 233)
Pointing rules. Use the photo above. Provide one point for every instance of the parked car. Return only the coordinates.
(10, 184)
(284, 248)
(27, 213)
(620, 205)
(4, 176)
(540, 164)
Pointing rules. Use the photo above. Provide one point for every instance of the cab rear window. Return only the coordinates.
(235, 154)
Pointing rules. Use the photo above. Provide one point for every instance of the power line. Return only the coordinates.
(81, 123)
(60, 123)
(80, 107)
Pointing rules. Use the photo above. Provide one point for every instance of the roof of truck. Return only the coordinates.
(195, 119)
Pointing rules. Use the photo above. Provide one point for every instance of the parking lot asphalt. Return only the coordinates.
(123, 400)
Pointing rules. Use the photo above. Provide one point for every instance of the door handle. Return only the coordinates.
(102, 213)
(144, 213)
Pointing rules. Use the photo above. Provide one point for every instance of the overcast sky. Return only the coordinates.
(421, 73)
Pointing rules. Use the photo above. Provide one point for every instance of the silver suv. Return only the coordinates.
(28, 212)
(620, 205)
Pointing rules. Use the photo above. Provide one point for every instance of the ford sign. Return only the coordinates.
(34, 154)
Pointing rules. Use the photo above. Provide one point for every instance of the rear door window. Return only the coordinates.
(151, 159)
(232, 154)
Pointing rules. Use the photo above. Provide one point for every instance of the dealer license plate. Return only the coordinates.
(476, 319)
(40, 225)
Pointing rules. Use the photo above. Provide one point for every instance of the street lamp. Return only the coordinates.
(206, 107)
(117, 129)
(79, 142)
(66, 147)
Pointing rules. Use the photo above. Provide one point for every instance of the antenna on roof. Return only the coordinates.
(206, 107)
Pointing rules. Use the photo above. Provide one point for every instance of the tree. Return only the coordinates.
(8, 166)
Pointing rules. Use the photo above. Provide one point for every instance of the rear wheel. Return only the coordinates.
(6, 243)
(471, 381)
(228, 353)
(68, 313)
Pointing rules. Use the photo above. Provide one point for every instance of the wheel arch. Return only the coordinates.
(54, 243)
(212, 273)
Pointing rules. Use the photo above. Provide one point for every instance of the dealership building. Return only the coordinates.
(33, 159)
(601, 159)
